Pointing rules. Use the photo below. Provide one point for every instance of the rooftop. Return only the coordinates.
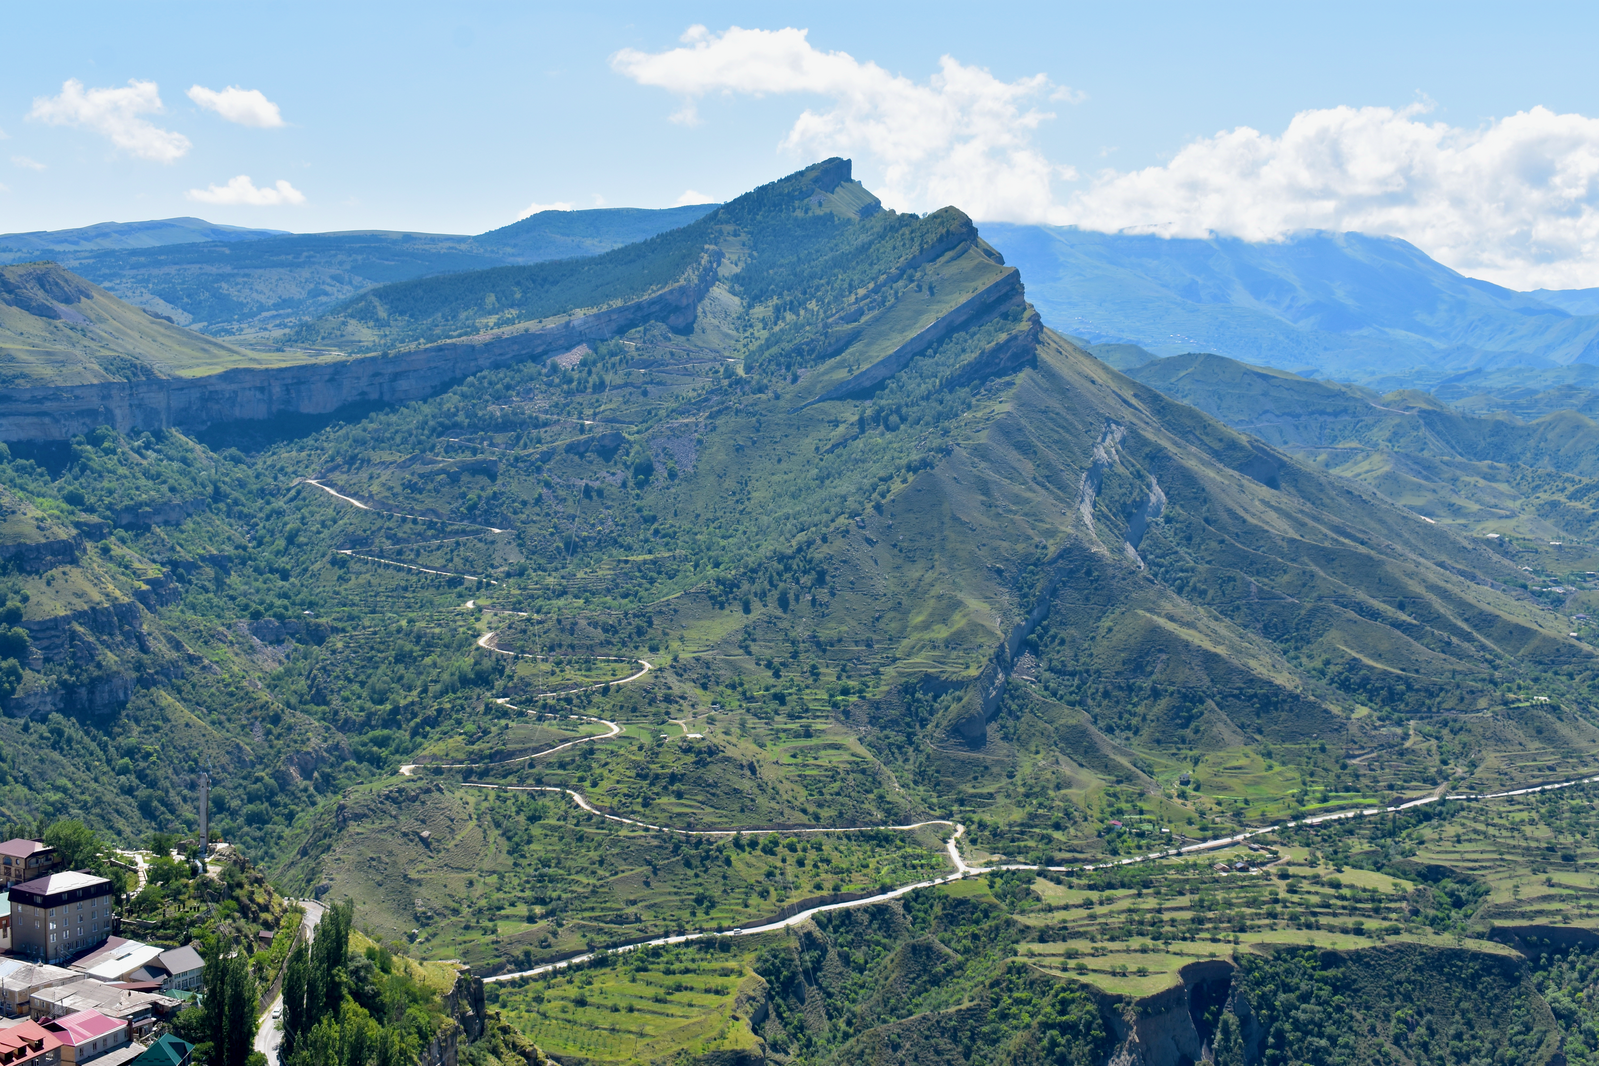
(34, 975)
(25, 1033)
(84, 1025)
(182, 960)
(87, 994)
(53, 883)
(120, 1056)
(21, 847)
(113, 963)
(168, 1051)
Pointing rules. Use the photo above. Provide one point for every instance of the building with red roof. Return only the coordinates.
(86, 1034)
(27, 1043)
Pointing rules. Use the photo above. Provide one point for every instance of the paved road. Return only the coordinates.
(269, 1035)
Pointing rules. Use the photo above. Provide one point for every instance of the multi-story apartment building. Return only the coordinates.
(59, 916)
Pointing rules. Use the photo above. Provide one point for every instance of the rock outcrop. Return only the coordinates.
(322, 387)
(37, 556)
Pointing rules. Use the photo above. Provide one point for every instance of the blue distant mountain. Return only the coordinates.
(228, 281)
(155, 233)
(1341, 305)
(1577, 301)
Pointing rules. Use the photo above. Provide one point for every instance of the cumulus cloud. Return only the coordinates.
(963, 136)
(1515, 201)
(247, 107)
(691, 197)
(25, 163)
(241, 191)
(116, 113)
(537, 208)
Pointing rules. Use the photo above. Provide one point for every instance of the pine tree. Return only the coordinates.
(296, 1023)
(229, 1004)
(1229, 1041)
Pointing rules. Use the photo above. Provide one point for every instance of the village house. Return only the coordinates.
(24, 860)
(167, 1051)
(24, 1042)
(144, 966)
(88, 1034)
(19, 980)
(139, 1010)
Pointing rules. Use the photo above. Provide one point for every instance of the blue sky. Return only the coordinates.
(457, 118)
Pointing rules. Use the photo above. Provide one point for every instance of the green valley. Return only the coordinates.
(788, 647)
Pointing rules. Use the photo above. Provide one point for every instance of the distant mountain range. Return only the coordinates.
(1487, 475)
(1372, 310)
(1349, 306)
(227, 281)
(153, 234)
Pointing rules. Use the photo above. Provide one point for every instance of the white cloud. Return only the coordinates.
(116, 113)
(691, 197)
(247, 107)
(963, 137)
(536, 208)
(241, 191)
(25, 163)
(1515, 201)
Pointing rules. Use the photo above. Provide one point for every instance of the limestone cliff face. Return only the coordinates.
(324, 387)
(37, 556)
(1169, 1028)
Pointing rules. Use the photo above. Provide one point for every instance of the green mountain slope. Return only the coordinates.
(225, 285)
(909, 480)
(153, 234)
(58, 329)
(1488, 473)
(850, 543)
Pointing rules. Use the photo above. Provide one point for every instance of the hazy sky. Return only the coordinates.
(1463, 128)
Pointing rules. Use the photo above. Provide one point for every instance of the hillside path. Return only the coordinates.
(396, 514)
(615, 731)
(486, 642)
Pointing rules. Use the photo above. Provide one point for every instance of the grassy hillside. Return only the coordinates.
(1487, 473)
(58, 329)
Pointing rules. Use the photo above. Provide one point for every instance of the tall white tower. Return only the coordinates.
(205, 814)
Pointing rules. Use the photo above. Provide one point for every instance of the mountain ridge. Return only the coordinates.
(274, 281)
(1346, 305)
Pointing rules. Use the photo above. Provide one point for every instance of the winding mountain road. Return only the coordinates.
(615, 731)
(269, 1032)
(486, 642)
(412, 566)
(336, 494)
(964, 869)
